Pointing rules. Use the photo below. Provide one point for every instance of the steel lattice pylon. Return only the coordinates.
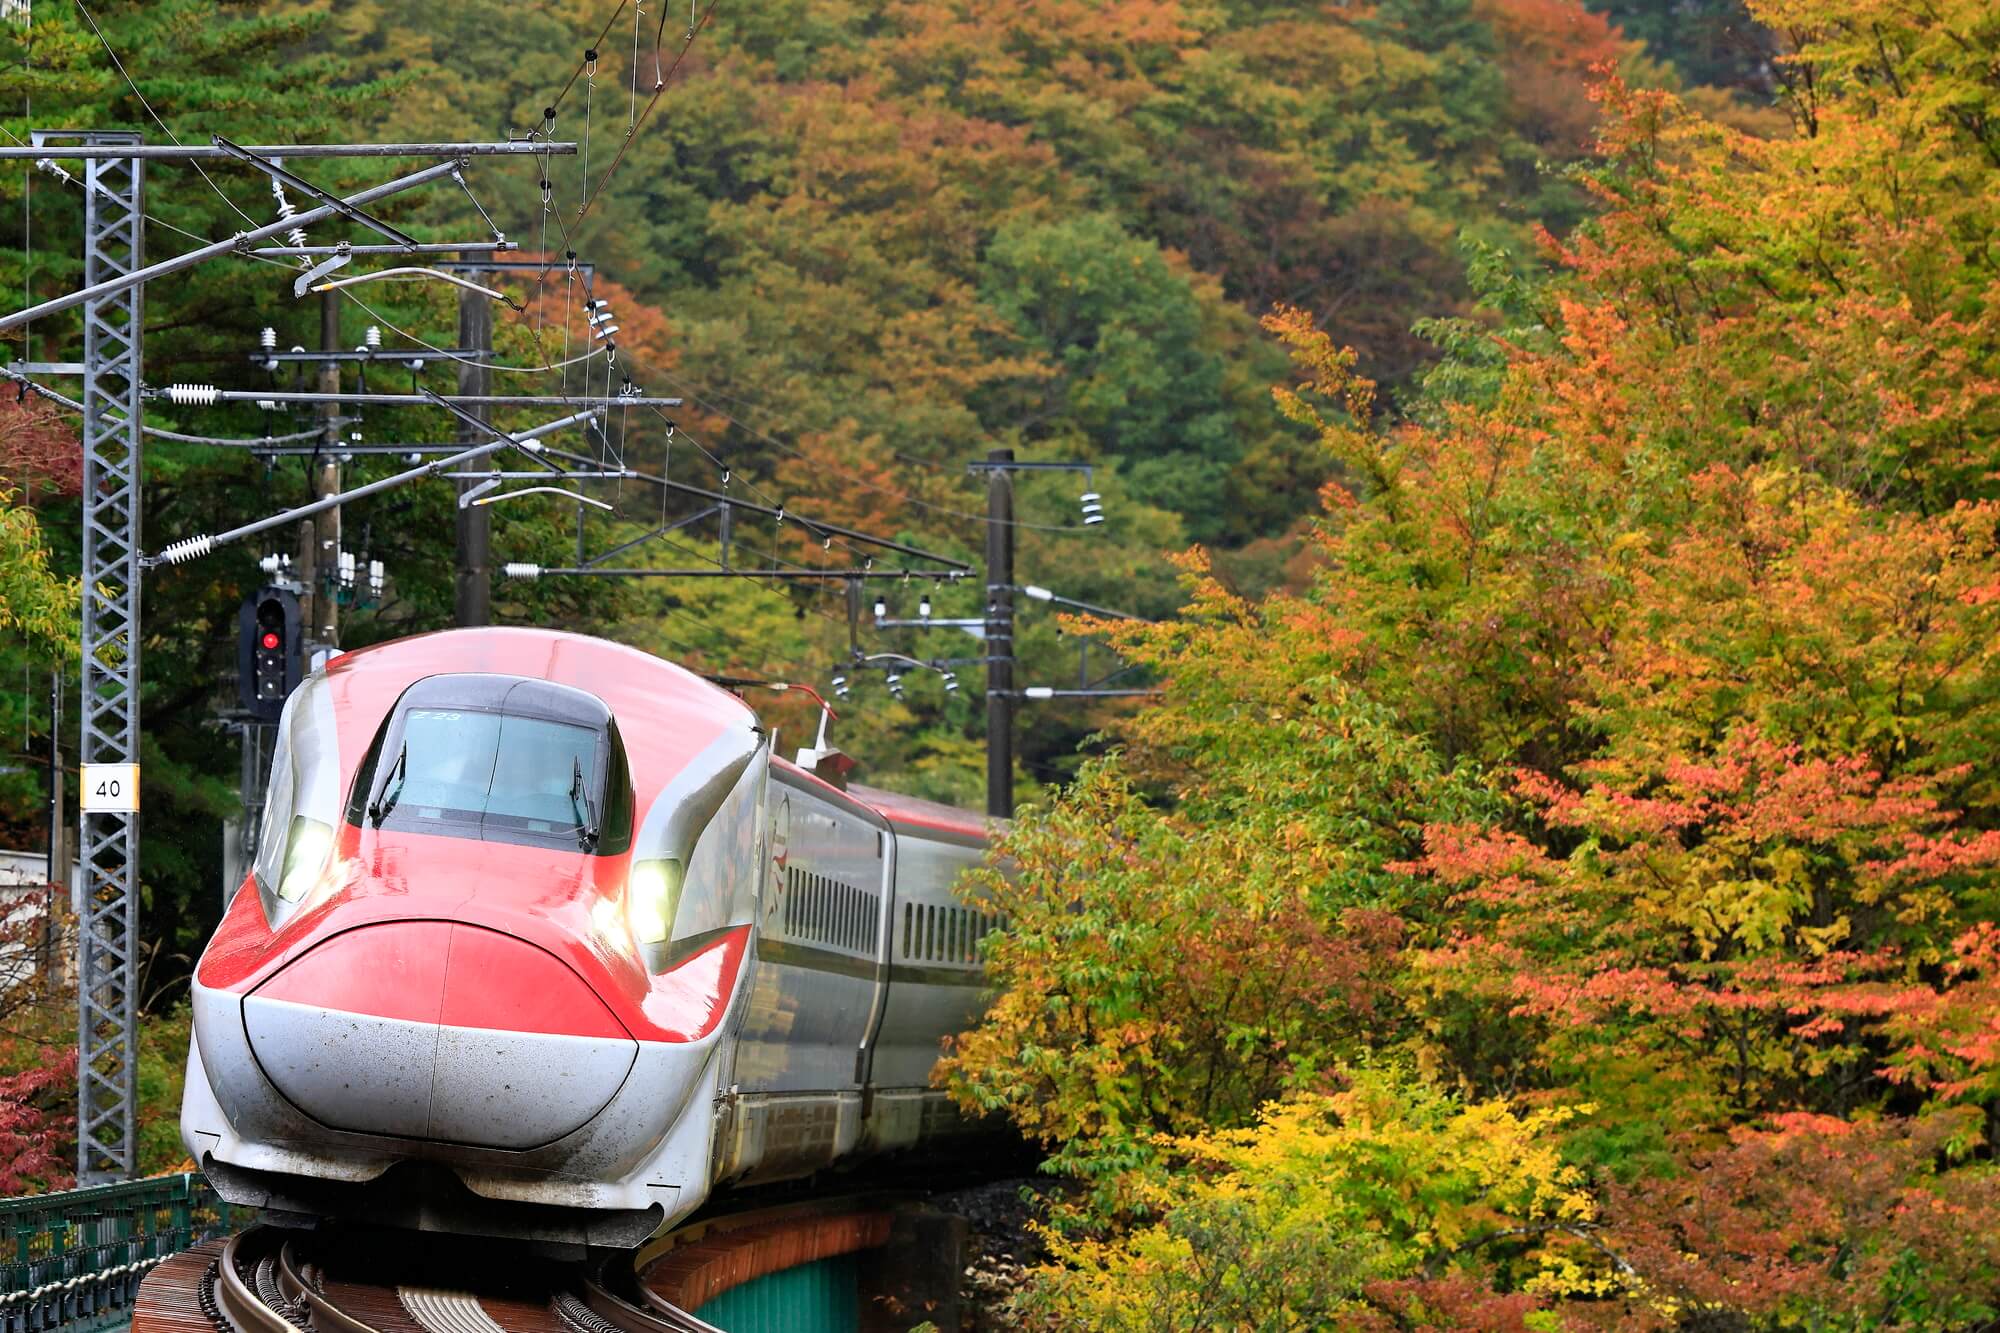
(108, 934)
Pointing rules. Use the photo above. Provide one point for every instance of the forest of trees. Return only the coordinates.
(1557, 446)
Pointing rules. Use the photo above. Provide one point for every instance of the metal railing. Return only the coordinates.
(74, 1260)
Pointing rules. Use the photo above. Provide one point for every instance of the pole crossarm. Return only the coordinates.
(195, 152)
(393, 357)
(242, 240)
(202, 395)
(420, 248)
(522, 570)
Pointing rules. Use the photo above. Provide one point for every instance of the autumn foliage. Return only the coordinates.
(1628, 760)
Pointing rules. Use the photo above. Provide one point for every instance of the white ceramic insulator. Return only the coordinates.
(192, 395)
(268, 339)
(373, 337)
(187, 549)
(519, 569)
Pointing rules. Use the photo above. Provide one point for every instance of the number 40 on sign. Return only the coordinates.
(110, 788)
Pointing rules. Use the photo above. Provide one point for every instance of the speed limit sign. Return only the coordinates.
(110, 788)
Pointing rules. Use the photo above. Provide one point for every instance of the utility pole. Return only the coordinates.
(474, 587)
(323, 579)
(1000, 635)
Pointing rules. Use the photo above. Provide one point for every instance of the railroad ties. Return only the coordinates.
(267, 1280)
(270, 1281)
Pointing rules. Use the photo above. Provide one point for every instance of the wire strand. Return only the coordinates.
(119, 65)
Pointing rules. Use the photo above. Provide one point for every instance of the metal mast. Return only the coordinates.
(1000, 634)
(107, 1047)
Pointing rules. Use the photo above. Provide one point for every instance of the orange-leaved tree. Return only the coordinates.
(1647, 684)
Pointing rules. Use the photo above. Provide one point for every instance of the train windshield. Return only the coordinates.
(500, 759)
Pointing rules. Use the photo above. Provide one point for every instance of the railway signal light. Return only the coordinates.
(270, 649)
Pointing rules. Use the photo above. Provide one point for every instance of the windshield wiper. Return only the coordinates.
(378, 809)
(585, 808)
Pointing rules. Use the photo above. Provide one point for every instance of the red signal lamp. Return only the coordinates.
(270, 639)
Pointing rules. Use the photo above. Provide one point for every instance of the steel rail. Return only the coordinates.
(239, 1301)
(326, 1316)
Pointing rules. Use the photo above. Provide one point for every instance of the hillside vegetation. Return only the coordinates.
(1576, 906)
(1557, 886)
(868, 244)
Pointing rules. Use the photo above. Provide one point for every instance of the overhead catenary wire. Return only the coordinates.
(119, 65)
(691, 394)
(160, 432)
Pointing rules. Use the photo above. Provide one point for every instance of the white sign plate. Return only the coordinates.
(110, 788)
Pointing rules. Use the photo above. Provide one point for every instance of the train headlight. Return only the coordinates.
(653, 898)
(306, 845)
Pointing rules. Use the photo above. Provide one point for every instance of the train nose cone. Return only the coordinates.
(438, 1030)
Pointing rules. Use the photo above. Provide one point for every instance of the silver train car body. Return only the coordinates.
(467, 1013)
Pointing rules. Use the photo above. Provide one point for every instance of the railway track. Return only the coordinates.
(270, 1281)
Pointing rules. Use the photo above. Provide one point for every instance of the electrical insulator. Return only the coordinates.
(924, 607)
(346, 567)
(950, 683)
(372, 338)
(839, 685)
(1093, 510)
(268, 339)
(192, 395)
(881, 608)
(377, 578)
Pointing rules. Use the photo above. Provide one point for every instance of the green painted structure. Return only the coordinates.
(73, 1260)
(823, 1296)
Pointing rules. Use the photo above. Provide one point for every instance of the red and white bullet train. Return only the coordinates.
(543, 941)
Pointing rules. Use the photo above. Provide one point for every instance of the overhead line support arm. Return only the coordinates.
(241, 240)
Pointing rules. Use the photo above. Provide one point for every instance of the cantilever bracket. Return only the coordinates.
(333, 201)
(325, 266)
(467, 496)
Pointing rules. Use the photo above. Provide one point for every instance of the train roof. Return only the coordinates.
(666, 712)
(913, 814)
